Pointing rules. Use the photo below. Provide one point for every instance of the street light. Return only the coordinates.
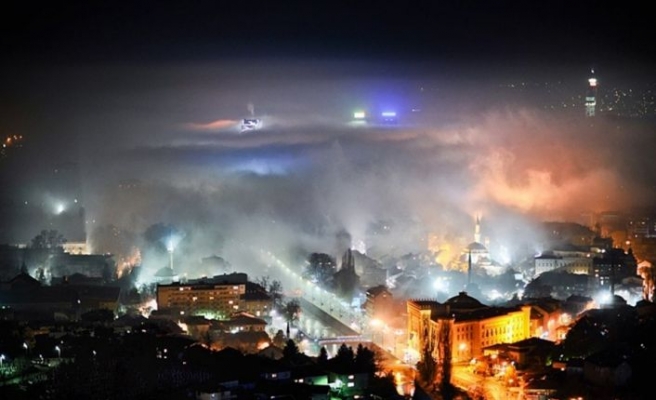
(2, 358)
(58, 350)
(377, 326)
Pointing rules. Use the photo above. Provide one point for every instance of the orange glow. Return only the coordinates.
(214, 125)
(125, 264)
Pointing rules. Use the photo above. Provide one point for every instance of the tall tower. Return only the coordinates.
(591, 96)
(477, 230)
(469, 269)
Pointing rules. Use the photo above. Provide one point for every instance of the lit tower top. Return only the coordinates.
(591, 96)
(477, 230)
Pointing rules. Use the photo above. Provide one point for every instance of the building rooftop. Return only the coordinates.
(483, 313)
(377, 290)
(463, 301)
(475, 246)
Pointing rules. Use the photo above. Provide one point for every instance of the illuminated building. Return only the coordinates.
(477, 255)
(256, 301)
(612, 267)
(591, 96)
(573, 262)
(243, 322)
(210, 299)
(215, 298)
(473, 326)
(546, 262)
(379, 302)
(548, 319)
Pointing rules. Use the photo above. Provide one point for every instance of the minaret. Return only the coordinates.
(477, 231)
(469, 269)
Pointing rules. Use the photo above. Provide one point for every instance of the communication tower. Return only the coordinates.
(591, 96)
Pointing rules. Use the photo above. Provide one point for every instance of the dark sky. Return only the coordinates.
(470, 32)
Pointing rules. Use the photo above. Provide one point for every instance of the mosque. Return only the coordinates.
(476, 255)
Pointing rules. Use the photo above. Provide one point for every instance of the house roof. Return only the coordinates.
(244, 319)
(377, 290)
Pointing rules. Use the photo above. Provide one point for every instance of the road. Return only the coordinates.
(327, 316)
(319, 297)
(464, 378)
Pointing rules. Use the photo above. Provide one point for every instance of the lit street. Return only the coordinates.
(464, 378)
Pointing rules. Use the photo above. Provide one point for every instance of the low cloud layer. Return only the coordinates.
(457, 150)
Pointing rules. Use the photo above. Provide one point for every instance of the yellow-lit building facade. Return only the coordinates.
(257, 304)
(214, 301)
(474, 326)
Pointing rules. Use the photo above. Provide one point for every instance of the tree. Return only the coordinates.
(48, 239)
(444, 345)
(365, 360)
(291, 351)
(275, 291)
(273, 287)
(427, 366)
(584, 338)
(320, 269)
(263, 281)
(344, 359)
(292, 311)
(323, 356)
(279, 339)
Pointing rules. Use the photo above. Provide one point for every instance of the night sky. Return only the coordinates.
(468, 32)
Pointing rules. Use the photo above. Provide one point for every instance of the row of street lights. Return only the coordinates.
(335, 307)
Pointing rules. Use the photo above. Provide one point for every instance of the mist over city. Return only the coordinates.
(459, 149)
(321, 176)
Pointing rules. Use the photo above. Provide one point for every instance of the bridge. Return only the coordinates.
(347, 340)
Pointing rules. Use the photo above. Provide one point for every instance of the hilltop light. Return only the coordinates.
(60, 208)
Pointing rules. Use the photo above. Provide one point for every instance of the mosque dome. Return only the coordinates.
(476, 247)
(463, 301)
